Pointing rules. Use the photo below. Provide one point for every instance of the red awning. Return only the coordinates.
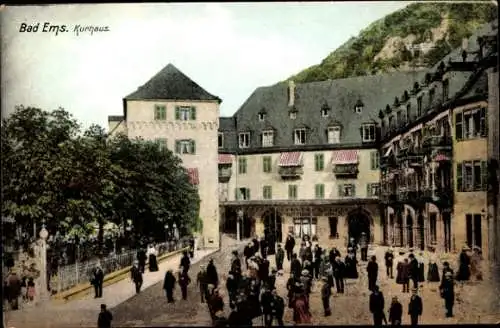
(193, 176)
(290, 159)
(225, 159)
(340, 157)
(441, 158)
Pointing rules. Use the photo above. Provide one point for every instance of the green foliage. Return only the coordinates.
(357, 56)
(53, 172)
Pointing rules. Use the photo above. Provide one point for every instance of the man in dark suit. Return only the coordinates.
(413, 271)
(136, 276)
(97, 280)
(415, 307)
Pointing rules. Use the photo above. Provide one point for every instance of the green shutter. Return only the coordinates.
(316, 165)
(372, 161)
(339, 187)
(353, 190)
(193, 147)
(459, 177)
(368, 190)
(177, 146)
(322, 191)
(321, 162)
(484, 175)
(248, 193)
(264, 192)
(177, 113)
(193, 113)
(236, 194)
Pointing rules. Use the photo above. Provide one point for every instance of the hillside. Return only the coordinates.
(417, 36)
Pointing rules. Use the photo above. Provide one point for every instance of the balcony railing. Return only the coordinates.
(291, 172)
(437, 142)
(346, 171)
(225, 174)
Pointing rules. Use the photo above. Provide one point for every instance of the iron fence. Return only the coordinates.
(69, 276)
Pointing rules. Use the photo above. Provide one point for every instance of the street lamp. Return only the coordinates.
(44, 234)
(166, 232)
(238, 222)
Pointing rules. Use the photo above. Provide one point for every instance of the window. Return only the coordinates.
(333, 223)
(373, 189)
(162, 142)
(473, 230)
(446, 90)
(304, 226)
(347, 190)
(292, 191)
(299, 137)
(358, 109)
(267, 139)
(433, 227)
(293, 115)
(185, 147)
(432, 92)
(266, 164)
(319, 191)
(244, 140)
(262, 116)
(471, 124)
(324, 112)
(221, 140)
(267, 192)
(319, 162)
(419, 106)
(185, 113)
(408, 112)
(399, 120)
(242, 194)
(369, 134)
(160, 113)
(333, 134)
(374, 160)
(242, 165)
(472, 176)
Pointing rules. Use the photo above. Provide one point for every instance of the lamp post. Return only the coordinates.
(44, 234)
(239, 220)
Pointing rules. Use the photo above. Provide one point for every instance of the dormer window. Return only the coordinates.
(299, 136)
(399, 118)
(268, 138)
(262, 116)
(333, 134)
(358, 108)
(244, 139)
(368, 132)
(292, 115)
(325, 110)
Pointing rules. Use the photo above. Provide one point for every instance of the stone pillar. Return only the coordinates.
(259, 227)
(342, 228)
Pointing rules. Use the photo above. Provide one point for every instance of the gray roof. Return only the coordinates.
(171, 84)
(340, 96)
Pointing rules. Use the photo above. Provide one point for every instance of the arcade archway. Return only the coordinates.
(409, 229)
(229, 225)
(272, 229)
(358, 221)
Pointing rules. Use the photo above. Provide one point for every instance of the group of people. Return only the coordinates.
(17, 288)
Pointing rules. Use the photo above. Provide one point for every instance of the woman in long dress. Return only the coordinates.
(153, 262)
(475, 264)
(301, 312)
(433, 272)
(351, 266)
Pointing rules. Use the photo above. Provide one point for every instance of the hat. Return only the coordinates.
(305, 272)
(448, 274)
(324, 278)
(349, 248)
(414, 290)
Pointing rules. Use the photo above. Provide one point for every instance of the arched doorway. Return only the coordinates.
(230, 223)
(391, 224)
(409, 227)
(421, 231)
(358, 222)
(399, 229)
(272, 229)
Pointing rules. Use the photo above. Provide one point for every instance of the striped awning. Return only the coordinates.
(290, 159)
(194, 178)
(441, 158)
(340, 157)
(225, 159)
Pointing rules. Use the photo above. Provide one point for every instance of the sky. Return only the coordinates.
(228, 49)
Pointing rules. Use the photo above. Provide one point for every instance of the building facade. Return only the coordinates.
(176, 112)
(304, 159)
(434, 154)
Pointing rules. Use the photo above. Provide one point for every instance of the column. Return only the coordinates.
(259, 227)
(440, 242)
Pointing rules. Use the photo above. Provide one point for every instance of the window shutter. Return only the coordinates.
(340, 190)
(353, 189)
(484, 175)
(248, 193)
(484, 122)
(368, 190)
(322, 191)
(177, 146)
(321, 162)
(459, 177)
(236, 194)
(193, 147)
(177, 113)
(193, 113)
(458, 126)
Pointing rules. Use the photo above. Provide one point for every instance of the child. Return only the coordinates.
(31, 290)
(24, 290)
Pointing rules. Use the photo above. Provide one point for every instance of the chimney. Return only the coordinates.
(291, 94)
(465, 44)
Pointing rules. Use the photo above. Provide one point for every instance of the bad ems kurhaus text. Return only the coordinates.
(47, 27)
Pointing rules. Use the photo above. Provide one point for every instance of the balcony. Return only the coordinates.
(437, 142)
(442, 195)
(348, 171)
(388, 162)
(413, 156)
(388, 195)
(225, 173)
(291, 172)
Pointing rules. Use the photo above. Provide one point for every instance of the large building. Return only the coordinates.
(434, 154)
(176, 112)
